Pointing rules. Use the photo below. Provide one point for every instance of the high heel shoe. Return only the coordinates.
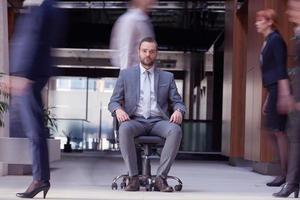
(288, 189)
(277, 182)
(35, 188)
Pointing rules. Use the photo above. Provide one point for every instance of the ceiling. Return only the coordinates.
(190, 25)
(179, 25)
(15, 3)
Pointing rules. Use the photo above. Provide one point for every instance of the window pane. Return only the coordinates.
(67, 97)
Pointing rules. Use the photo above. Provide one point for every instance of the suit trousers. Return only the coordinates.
(30, 109)
(293, 132)
(138, 126)
(293, 174)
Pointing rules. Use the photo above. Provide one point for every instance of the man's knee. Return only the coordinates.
(124, 126)
(176, 130)
(294, 127)
(294, 136)
(126, 129)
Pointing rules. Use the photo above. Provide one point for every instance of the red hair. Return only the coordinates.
(268, 15)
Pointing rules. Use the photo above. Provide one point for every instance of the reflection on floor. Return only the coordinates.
(89, 177)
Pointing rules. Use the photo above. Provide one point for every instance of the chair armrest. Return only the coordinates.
(116, 129)
(113, 114)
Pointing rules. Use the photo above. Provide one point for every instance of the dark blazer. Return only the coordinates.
(127, 90)
(274, 59)
(35, 33)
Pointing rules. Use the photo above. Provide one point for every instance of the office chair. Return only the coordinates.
(149, 145)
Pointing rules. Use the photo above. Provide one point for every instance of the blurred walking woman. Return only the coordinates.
(31, 67)
(273, 59)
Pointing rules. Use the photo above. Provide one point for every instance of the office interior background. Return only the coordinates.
(210, 46)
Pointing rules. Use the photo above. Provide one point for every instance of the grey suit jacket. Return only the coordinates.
(127, 92)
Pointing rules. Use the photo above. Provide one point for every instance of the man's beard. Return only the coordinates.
(147, 63)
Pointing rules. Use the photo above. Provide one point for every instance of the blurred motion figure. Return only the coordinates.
(128, 31)
(30, 70)
(273, 60)
(292, 106)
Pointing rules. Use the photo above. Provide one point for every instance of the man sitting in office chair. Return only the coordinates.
(146, 93)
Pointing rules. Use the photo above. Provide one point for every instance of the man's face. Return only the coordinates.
(144, 4)
(294, 11)
(147, 54)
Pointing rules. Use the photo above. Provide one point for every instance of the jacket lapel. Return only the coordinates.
(156, 81)
(137, 83)
(267, 42)
(156, 84)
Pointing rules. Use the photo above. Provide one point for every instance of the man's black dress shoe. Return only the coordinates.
(162, 185)
(134, 184)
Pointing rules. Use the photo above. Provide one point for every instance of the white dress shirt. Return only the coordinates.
(155, 111)
(126, 35)
(32, 3)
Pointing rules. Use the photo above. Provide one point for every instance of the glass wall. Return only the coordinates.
(80, 106)
(197, 136)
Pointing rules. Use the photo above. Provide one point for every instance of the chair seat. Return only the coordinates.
(149, 139)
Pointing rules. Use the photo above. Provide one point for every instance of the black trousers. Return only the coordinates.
(29, 107)
(293, 174)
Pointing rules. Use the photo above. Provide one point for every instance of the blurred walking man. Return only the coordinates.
(292, 106)
(128, 31)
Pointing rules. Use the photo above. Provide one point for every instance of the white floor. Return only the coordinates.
(79, 178)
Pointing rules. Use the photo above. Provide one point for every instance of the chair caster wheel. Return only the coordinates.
(114, 186)
(178, 187)
(123, 185)
(148, 188)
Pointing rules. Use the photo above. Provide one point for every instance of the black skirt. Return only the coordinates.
(274, 121)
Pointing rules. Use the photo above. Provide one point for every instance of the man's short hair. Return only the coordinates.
(148, 39)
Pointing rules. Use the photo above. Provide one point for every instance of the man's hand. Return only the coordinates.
(4, 84)
(297, 106)
(176, 117)
(122, 116)
(264, 108)
(19, 85)
(285, 104)
(294, 11)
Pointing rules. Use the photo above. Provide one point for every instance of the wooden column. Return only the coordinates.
(253, 86)
(234, 82)
(11, 21)
(4, 132)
